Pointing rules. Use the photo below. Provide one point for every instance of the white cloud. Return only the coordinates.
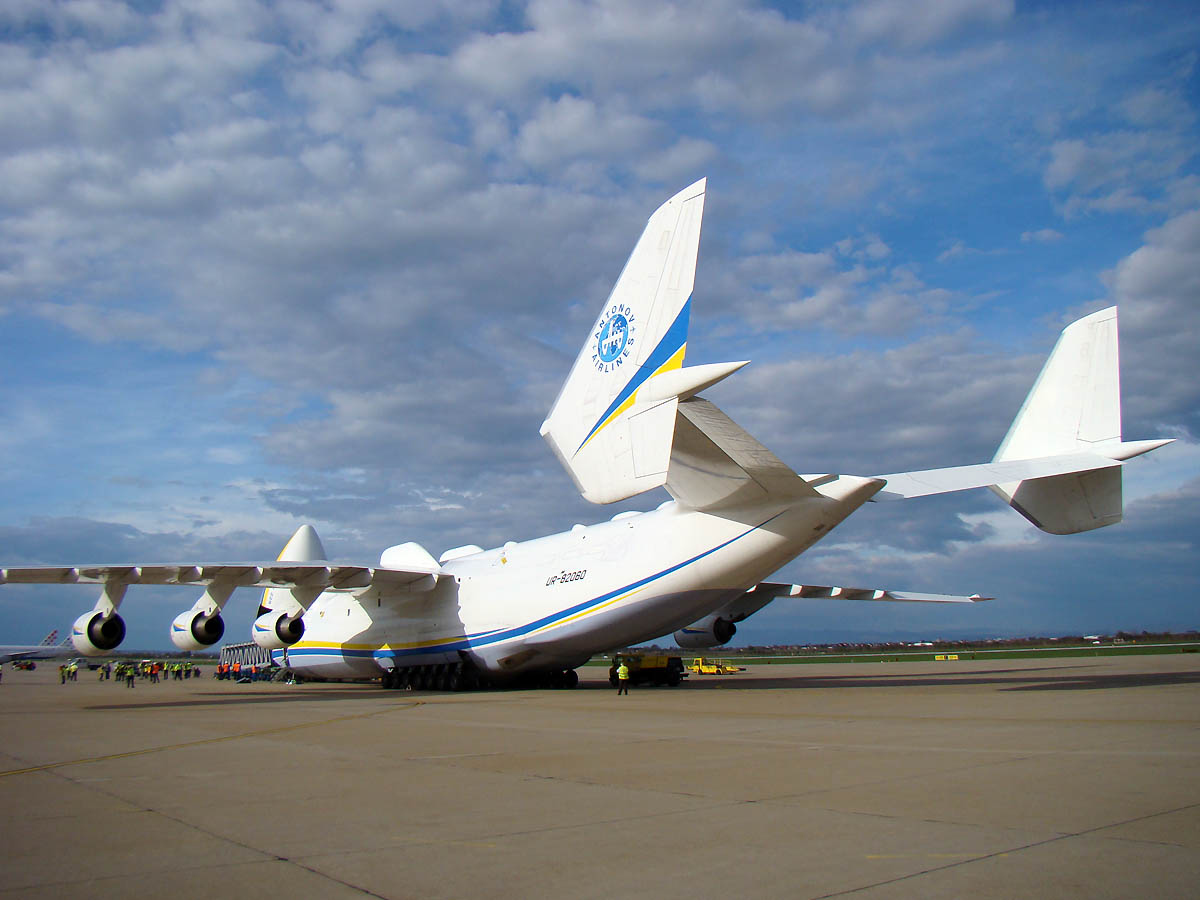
(570, 127)
(1158, 290)
(894, 21)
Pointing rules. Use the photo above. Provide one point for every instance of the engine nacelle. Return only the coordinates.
(276, 630)
(195, 629)
(711, 631)
(94, 633)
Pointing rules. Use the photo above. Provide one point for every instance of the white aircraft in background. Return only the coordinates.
(49, 648)
(629, 418)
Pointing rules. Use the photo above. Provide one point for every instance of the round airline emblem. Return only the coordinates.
(614, 338)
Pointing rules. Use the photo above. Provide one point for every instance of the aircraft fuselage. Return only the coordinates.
(553, 602)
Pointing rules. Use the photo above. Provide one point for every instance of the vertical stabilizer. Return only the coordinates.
(613, 445)
(1075, 405)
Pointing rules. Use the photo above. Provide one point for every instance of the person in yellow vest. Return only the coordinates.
(623, 678)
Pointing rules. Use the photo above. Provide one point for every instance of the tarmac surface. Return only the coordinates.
(1033, 778)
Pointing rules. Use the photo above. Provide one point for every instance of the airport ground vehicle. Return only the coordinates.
(645, 668)
(702, 666)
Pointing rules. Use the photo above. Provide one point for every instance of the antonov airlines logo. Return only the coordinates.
(614, 339)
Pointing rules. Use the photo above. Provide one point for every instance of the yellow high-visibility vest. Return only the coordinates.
(623, 672)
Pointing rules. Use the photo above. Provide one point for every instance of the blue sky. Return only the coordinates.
(271, 263)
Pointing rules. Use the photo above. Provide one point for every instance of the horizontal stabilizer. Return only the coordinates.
(905, 485)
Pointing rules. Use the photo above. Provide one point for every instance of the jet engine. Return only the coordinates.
(196, 629)
(711, 631)
(95, 633)
(275, 630)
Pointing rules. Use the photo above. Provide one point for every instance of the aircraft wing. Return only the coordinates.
(320, 575)
(764, 592)
(717, 627)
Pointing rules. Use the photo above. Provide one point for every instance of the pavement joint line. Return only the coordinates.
(1001, 853)
(280, 729)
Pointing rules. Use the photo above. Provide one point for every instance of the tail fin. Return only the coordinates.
(51, 639)
(1073, 407)
(614, 441)
(1076, 401)
(1064, 446)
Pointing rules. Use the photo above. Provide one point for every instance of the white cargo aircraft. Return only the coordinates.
(629, 418)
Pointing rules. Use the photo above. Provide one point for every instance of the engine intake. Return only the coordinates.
(95, 633)
(276, 630)
(711, 631)
(196, 629)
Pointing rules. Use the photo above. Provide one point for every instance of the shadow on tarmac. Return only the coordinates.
(1050, 678)
(1001, 679)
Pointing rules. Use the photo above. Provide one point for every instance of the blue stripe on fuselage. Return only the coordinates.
(486, 638)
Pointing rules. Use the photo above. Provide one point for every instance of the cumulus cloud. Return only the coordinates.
(1158, 289)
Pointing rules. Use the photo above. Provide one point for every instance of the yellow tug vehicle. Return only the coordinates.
(702, 666)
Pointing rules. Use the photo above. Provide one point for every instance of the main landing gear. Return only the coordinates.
(462, 676)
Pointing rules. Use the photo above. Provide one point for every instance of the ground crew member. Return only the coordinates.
(622, 678)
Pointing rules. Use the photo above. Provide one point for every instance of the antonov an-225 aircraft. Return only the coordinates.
(629, 418)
